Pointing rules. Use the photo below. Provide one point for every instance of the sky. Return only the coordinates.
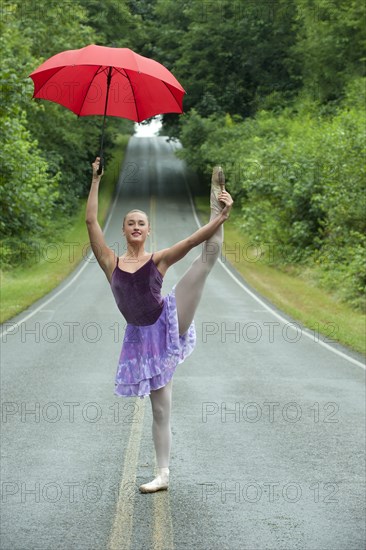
(148, 130)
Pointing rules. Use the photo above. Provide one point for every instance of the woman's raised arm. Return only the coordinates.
(168, 256)
(104, 255)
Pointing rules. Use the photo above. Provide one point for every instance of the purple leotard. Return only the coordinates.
(152, 346)
(138, 294)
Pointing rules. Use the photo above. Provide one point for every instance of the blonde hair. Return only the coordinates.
(135, 210)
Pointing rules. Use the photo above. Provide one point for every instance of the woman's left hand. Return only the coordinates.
(95, 166)
(226, 198)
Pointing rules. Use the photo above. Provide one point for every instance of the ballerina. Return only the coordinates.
(160, 331)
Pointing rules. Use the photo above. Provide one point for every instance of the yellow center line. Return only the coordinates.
(122, 530)
(163, 524)
(121, 535)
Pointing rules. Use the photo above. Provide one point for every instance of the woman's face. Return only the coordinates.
(136, 227)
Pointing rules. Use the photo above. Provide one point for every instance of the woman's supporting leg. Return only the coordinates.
(188, 290)
(161, 403)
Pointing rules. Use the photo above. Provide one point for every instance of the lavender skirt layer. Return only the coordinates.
(150, 354)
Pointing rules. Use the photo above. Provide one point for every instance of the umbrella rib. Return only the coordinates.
(86, 93)
(51, 76)
(120, 72)
(165, 84)
(133, 93)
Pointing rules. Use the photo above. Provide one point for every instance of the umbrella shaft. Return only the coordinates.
(109, 78)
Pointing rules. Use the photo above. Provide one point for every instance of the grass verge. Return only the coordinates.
(296, 295)
(23, 285)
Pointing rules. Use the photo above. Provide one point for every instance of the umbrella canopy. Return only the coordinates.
(99, 80)
(139, 87)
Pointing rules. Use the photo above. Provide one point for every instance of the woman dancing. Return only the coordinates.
(160, 331)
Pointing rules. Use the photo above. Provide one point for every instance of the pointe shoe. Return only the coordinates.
(160, 483)
(217, 185)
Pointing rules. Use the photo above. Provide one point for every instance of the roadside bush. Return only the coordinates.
(299, 177)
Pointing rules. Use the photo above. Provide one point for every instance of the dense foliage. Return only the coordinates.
(301, 182)
(47, 150)
(275, 92)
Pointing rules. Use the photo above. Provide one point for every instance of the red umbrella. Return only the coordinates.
(98, 80)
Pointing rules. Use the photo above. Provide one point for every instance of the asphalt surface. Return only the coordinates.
(268, 423)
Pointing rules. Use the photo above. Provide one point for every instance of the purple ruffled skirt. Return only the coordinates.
(150, 354)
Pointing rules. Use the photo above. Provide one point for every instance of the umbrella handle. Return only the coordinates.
(101, 166)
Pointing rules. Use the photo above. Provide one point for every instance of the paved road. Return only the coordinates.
(268, 423)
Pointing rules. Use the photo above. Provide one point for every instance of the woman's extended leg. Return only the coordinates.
(188, 290)
(161, 404)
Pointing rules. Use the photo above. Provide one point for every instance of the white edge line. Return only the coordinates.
(88, 257)
(324, 344)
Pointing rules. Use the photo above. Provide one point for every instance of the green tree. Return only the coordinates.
(330, 46)
(227, 55)
(27, 191)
